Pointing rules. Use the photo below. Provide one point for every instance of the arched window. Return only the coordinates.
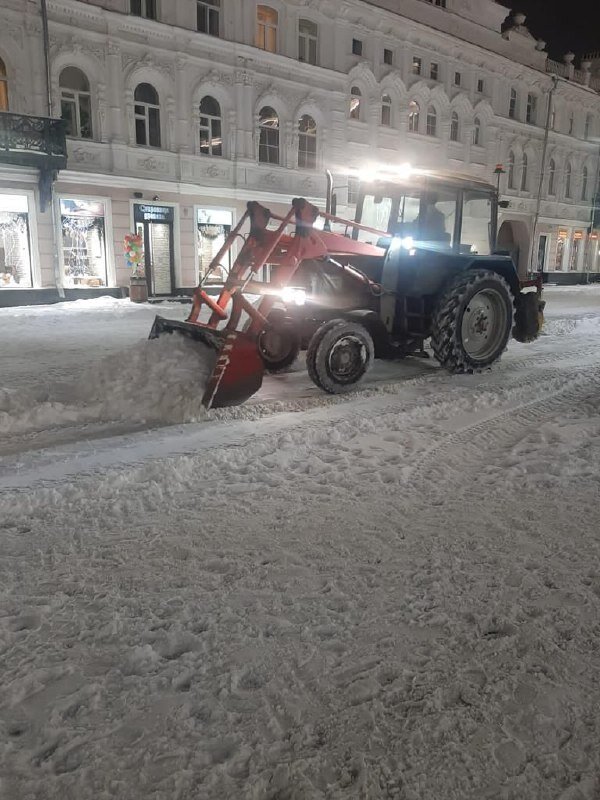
(414, 111)
(76, 102)
(511, 170)
(524, 173)
(454, 127)
(568, 176)
(512, 105)
(552, 177)
(308, 34)
(147, 116)
(477, 141)
(267, 20)
(211, 128)
(588, 126)
(584, 183)
(386, 110)
(3, 87)
(431, 128)
(355, 102)
(268, 144)
(307, 142)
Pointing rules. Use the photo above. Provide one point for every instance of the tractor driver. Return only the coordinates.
(431, 222)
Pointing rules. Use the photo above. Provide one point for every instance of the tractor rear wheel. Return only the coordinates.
(339, 355)
(279, 345)
(473, 321)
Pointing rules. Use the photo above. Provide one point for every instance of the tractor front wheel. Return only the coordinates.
(473, 321)
(339, 355)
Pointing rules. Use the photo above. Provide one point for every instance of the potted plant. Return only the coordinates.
(134, 256)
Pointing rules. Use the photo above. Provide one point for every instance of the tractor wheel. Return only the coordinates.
(472, 323)
(339, 355)
(279, 345)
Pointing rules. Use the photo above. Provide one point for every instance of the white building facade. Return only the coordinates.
(178, 113)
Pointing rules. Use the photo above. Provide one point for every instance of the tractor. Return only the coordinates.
(419, 262)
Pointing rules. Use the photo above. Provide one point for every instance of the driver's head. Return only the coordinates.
(430, 198)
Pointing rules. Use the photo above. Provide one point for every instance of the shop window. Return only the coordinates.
(552, 177)
(477, 132)
(307, 41)
(524, 174)
(568, 179)
(211, 127)
(454, 127)
(213, 226)
(386, 111)
(541, 252)
(512, 104)
(147, 116)
(307, 142)
(268, 146)
(3, 87)
(560, 249)
(431, 127)
(76, 103)
(207, 16)
(511, 170)
(267, 20)
(143, 8)
(83, 242)
(15, 249)
(414, 111)
(575, 248)
(355, 102)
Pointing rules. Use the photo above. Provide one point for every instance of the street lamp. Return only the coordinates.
(499, 170)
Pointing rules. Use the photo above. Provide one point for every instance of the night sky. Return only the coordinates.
(573, 25)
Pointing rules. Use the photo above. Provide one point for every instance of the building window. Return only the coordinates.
(541, 253)
(386, 110)
(524, 173)
(457, 78)
(143, 8)
(571, 123)
(3, 87)
(15, 250)
(266, 28)
(147, 116)
(355, 102)
(208, 13)
(417, 64)
(512, 105)
(353, 190)
(414, 111)
(76, 103)
(307, 142)
(568, 177)
(552, 177)
(388, 56)
(357, 47)
(586, 132)
(584, 184)
(431, 127)
(83, 242)
(268, 145)
(307, 41)
(511, 170)
(454, 127)
(480, 85)
(211, 127)
(477, 132)
(575, 246)
(434, 71)
(531, 114)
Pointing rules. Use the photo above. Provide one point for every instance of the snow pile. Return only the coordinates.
(159, 380)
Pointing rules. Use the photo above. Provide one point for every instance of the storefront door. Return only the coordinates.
(155, 224)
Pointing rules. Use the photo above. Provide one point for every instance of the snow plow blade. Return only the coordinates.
(238, 370)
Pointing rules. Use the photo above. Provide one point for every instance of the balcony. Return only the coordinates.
(28, 141)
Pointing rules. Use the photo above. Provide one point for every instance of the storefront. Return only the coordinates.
(16, 268)
(156, 225)
(212, 228)
(83, 246)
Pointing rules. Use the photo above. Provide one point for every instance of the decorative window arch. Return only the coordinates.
(512, 104)
(414, 112)
(355, 103)
(584, 183)
(76, 102)
(267, 22)
(511, 170)
(552, 177)
(431, 122)
(454, 127)
(386, 110)
(307, 142)
(4, 106)
(308, 38)
(568, 179)
(477, 139)
(524, 175)
(147, 116)
(268, 142)
(211, 127)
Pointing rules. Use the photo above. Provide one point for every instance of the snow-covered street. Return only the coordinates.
(394, 594)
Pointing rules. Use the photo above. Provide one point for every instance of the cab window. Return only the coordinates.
(476, 233)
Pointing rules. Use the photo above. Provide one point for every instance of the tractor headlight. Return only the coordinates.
(292, 295)
(407, 242)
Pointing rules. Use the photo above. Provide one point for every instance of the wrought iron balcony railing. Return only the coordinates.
(32, 141)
